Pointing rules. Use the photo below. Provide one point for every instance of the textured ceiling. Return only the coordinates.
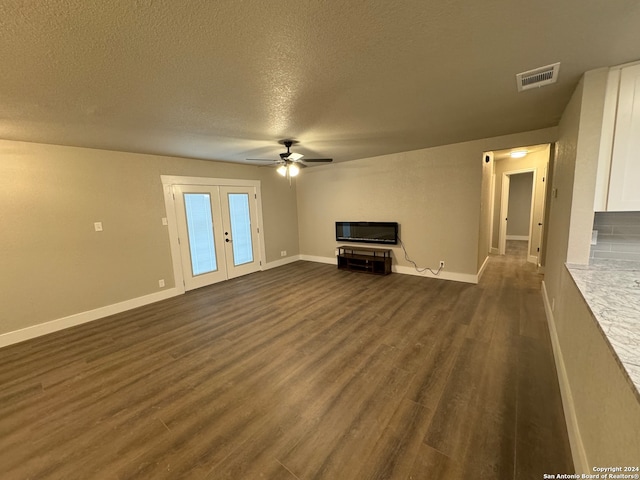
(226, 80)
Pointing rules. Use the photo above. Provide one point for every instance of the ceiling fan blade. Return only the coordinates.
(295, 156)
(318, 160)
(262, 160)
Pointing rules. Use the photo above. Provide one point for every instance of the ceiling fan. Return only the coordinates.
(290, 163)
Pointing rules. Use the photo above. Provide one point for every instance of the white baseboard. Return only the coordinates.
(313, 258)
(532, 259)
(482, 267)
(281, 262)
(52, 326)
(444, 275)
(578, 453)
(518, 237)
(495, 251)
(28, 333)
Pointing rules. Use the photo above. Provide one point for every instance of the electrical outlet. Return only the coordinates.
(97, 226)
(283, 253)
(441, 263)
(161, 283)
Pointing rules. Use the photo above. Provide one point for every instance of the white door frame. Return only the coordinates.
(492, 197)
(504, 207)
(542, 223)
(504, 212)
(493, 211)
(168, 181)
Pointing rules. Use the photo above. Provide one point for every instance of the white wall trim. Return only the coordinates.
(517, 237)
(444, 275)
(532, 259)
(313, 258)
(52, 326)
(483, 267)
(575, 439)
(280, 263)
(207, 181)
(494, 251)
(34, 331)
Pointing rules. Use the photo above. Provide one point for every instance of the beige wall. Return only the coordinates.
(605, 403)
(562, 193)
(484, 236)
(606, 410)
(53, 264)
(434, 193)
(587, 150)
(574, 177)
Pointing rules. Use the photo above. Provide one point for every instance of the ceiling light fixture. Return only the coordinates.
(288, 170)
(519, 154)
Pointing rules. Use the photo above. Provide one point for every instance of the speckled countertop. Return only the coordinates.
(611, 288)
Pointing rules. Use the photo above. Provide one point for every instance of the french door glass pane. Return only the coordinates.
(200, 229)
(240, 228)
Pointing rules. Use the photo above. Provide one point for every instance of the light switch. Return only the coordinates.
(98, 226)
(164, 221)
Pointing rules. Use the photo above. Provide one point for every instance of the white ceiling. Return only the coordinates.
(227, 79)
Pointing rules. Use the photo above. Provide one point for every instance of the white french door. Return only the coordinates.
(217, 232)
(238, 219)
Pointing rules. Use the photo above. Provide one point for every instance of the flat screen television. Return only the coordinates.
(367, 232)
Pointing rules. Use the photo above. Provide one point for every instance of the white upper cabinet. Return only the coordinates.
(618, 186)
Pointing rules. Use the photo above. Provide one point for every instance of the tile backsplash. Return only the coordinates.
(618, 235)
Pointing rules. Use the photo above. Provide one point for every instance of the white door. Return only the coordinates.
(217, 233)
(239, 219)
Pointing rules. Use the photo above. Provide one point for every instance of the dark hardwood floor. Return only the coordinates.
(301, 372)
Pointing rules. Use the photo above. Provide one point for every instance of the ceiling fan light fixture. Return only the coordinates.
(282, 170)
(294, 170)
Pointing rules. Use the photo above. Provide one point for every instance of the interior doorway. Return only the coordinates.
(214, 227)
(523, 220)
(516, 209)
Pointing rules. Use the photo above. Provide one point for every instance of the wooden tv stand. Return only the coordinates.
(365, 259)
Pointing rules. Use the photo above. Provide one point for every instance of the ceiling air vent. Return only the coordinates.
(538, 77)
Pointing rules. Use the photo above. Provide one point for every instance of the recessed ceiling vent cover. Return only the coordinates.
(538, 77)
